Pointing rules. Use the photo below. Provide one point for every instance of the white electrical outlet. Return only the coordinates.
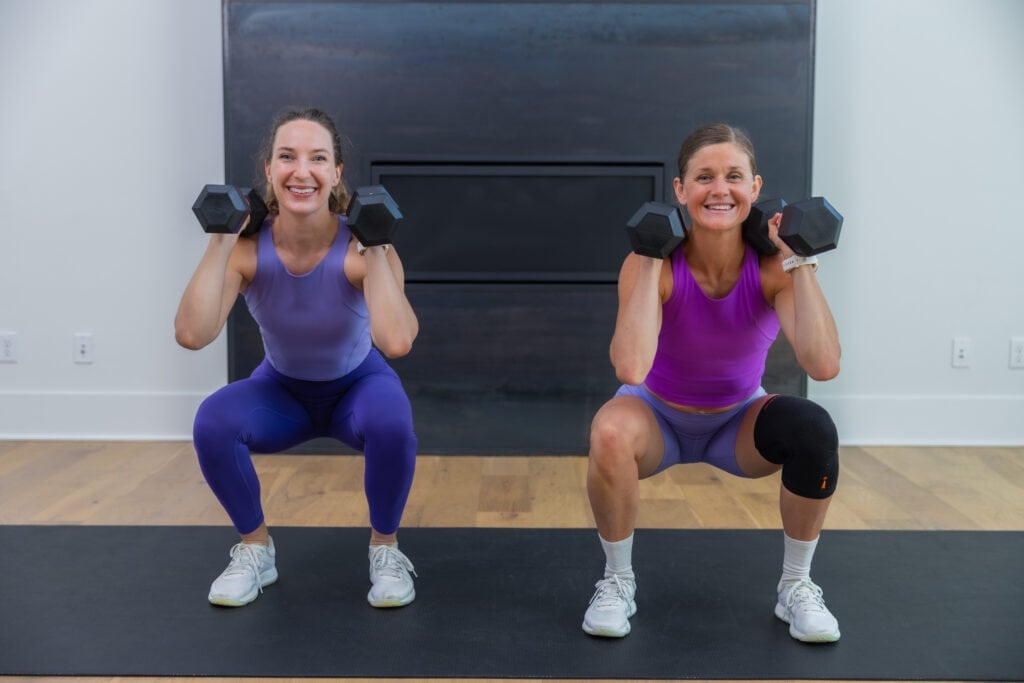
(82, 349)
(962, 355)
(8, 347)
(1017, 352)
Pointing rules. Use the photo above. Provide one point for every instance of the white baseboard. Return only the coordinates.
(927, 420)
(105, 416)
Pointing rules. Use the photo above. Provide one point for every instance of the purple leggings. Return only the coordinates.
(268, 412)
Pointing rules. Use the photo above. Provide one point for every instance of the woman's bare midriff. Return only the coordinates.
(695, 410)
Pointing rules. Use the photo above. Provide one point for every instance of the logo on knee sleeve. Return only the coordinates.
(824, 483)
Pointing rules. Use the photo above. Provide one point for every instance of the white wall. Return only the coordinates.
(919, 138)
(111, 119)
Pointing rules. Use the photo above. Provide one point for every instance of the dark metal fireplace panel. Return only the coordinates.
(515, 222)
(518, 137)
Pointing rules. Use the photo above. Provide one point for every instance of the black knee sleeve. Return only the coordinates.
(801, 436)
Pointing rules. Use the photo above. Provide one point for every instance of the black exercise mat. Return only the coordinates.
(507, 603)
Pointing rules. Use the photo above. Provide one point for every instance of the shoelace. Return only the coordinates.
(244, 560)
(611, 592)
(808, 596)
(389, 562)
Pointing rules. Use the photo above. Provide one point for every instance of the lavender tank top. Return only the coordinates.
(314, 326)
(712, 352)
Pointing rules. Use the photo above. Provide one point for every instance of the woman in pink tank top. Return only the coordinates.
(689, 346)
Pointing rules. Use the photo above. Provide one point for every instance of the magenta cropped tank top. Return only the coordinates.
(711, 352)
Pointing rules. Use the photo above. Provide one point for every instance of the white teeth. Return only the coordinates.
(303, 190)
(720, 207)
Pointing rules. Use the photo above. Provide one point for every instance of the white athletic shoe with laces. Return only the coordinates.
(251, 568)
(611, 607)
(389, 574)
(802, 607)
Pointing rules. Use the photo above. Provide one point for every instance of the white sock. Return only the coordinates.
(796, 559)
(618, 556)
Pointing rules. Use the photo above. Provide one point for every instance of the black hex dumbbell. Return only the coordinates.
(373, 215)
(755, 227)
(656, 229)
(809, 227)
(224, 208)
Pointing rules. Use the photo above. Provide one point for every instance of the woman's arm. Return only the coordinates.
(210, 293)
(638, 322)
(393, 324)
(804, 314)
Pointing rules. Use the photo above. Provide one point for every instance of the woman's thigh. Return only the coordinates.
(257, 411)
(629, 424)
(376, 403)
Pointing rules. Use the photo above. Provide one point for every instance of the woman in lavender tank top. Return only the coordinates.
(329, 312)
(690, 342)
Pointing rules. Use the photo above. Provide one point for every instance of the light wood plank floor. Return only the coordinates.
(159, 483)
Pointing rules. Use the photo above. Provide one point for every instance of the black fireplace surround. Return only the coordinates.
(518, 138)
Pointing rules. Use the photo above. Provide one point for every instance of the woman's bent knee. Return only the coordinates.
(621, 432)
(801, 436)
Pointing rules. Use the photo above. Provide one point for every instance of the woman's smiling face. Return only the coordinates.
(302, 170)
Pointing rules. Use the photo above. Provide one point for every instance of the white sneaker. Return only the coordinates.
(389, 574)
(611, 607)
(251, 568)
(802, 607)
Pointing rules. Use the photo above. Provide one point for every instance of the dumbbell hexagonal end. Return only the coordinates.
(656, 229)
(811, 227)
(220, 209)
(373, 215)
